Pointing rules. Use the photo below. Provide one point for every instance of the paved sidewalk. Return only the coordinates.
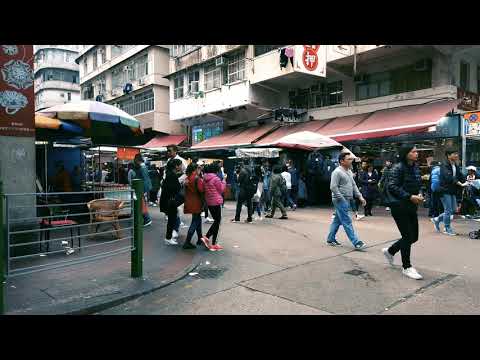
(97, 285)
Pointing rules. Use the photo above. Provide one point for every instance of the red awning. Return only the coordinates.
(289, 129)
(390, 122)
(165, 140)
(237, 137)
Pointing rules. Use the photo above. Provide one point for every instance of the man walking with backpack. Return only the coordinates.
(435, 206)
(247, 188)
(450, 179)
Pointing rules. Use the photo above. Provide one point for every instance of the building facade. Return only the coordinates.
(130, 77)
(56, 75)
(218, 87)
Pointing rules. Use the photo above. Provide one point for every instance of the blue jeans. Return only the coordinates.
(342, 217)
(195, 226)
(449, 203)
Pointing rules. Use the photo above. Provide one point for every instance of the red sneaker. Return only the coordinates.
(216, 247)
(206, 242)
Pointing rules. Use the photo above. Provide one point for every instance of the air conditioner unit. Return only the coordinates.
(114, 92)
(219, 61)
(141, 81)
(193, 87)
(423, 65)
(127, 68)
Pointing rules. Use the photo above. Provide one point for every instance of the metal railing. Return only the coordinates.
(33, 222)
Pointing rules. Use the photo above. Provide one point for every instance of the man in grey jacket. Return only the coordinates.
(344, 189)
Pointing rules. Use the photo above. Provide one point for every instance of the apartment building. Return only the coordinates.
(130, 77)
(56, 75)
(217, 87)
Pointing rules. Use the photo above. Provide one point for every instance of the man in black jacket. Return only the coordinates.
(450, 178)
(245, 194)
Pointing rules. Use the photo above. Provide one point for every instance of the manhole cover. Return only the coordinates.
(355, 272)
(211, 273)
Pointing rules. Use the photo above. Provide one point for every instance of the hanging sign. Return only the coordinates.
(311, 59)
(17, 110)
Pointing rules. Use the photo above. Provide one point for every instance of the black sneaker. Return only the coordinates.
(148, 223)
(334, 243)
(284, 218)
(249, 221)
(360, 245)
(234, 221)
(188, 246)
(269, 216)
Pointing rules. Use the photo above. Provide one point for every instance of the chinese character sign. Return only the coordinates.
(17, 117)
(311, 59)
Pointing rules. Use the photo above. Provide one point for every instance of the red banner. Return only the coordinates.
(17, 108)
(127, 153)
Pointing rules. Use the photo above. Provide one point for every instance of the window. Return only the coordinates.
(69, 96)
(85, 66)
(138, 104)
(117, 79)
(95, 60)
(193, 79)
(68, 57)
(213, 77)
(335, 93)
(465, 75)
(400, 80)
(142, 66)
(178, 87)
(103, 54)
(236, 68)
(323, 94)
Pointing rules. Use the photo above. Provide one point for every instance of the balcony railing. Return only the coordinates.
(56, 84)
(139, 107)
(55, 65)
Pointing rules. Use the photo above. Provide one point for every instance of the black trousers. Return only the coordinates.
(153, 196)
(369, 206)
(436, 207)
(172, 218)
(216, 212)
(244, 198)
(405, 216)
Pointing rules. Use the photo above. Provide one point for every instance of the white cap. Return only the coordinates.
(471, 167)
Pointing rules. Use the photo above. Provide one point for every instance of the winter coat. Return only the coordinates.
(193, 195)
(404, 181)
(214, 188)
(435, 179)
(369, 189)
(385, 175)
(277, 182)
(448, 183)
(170, 188)
(141, 173)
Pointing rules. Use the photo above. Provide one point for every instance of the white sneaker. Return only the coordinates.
(175, 234)
(209, 220)
(359, 217)
(387, 208)
(388, 256)
(171, 242)
(412, 273)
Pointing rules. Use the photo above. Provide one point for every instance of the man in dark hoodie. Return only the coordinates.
(245, 193)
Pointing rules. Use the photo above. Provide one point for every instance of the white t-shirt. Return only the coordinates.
(288, 179)
(182, 178)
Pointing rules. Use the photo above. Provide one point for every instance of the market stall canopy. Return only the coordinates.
(305, 140)
(104, 124)
(43, 122)
(162, 141)
(258, 153)
(389, 122)
(234, 138)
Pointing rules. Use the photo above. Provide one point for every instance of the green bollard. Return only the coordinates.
(2, 254)
(137, 253)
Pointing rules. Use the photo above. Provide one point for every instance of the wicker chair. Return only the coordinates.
(109, 210)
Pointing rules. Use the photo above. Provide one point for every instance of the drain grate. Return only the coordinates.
(355, 272)
(211, 273)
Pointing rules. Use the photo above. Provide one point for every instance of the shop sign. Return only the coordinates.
(17, 108)
(472, 123)
(311, 59)
(469, 100)
(206, 131)
(127, 153)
